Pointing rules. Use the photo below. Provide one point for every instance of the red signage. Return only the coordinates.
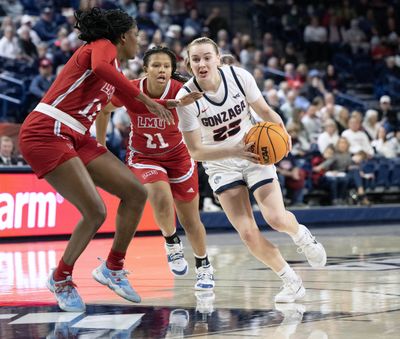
(31, 207)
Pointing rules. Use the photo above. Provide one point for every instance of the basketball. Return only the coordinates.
(270, 142)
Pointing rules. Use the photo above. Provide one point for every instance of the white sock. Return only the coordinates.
(287, 274)
(300, 233)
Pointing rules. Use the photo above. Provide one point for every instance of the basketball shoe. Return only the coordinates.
(291, 291)
(313, 250)
(66, 294)
(292, 316)
(178, 321)
(117, 281)
(205, 302)
(176, 260)
(205, 278)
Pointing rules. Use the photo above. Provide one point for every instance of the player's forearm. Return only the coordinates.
(144, 99)
(211, 152)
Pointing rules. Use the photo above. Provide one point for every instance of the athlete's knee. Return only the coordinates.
(96, 216)
(190, 223)
(162, 202)
(135, 194)
(278, 221)
(249, 235)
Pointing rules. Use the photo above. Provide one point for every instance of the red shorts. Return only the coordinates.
(45, 143)
(175, 167)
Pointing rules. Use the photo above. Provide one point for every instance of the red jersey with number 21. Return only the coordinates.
(150, 134)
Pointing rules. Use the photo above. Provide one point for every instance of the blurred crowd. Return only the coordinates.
(307, 57)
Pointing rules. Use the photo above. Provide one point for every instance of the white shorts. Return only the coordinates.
(228, 173)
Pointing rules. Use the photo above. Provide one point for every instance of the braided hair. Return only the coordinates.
(98, 23)
(160, 49)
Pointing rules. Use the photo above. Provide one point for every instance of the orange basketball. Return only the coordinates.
(270, 142)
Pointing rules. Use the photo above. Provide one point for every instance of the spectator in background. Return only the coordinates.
(46, 27)
(7, 21)
(216, 22)
(330, 110)
(44, 51)
(334, 168)
(26, 22)
(388, 115)
(315, 38)
(62, 54)
(159, 18)
(314, 86)
(292, 178)
(342, 120)
(144, 21)
(312, 123)
(9, 46)
(383, 146)
(14, 8)
(129, 6)
(288, 106)
(6, 152)
(273, 100)
(331, 80)
(371, 124)
(42, 82)
(28, 48)
(300, 143)
(357, 139)
(329, 137)
(193, 21)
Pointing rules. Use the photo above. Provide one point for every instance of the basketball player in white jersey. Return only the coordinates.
(214, 128)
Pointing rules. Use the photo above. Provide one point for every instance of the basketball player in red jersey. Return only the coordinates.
(55, 141)
(159, 158)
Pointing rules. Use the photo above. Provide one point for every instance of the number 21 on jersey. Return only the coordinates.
(155, 141)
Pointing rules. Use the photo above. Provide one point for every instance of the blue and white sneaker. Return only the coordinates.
(66, 294)
(205, 302)
(176, 260)
(117, 281)
(205, 278)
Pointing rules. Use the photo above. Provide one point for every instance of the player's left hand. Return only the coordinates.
(187, 99)
(289, 138)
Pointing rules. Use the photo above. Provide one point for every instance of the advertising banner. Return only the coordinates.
(31, 207)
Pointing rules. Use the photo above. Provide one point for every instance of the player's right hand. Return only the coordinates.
(161, 112)
(244, 151)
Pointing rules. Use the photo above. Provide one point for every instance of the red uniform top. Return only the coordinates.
(88, 81)
(150, 134)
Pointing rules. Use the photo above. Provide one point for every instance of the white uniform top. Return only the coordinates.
(223, 116)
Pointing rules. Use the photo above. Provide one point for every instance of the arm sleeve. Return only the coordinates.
(187, 115)
(249, 84)
(103, 54)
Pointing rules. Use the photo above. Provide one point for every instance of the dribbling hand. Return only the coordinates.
(244, 151)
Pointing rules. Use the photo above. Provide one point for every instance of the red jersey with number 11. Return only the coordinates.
(88, 81)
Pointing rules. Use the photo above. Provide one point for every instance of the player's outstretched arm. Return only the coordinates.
(187, 99)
